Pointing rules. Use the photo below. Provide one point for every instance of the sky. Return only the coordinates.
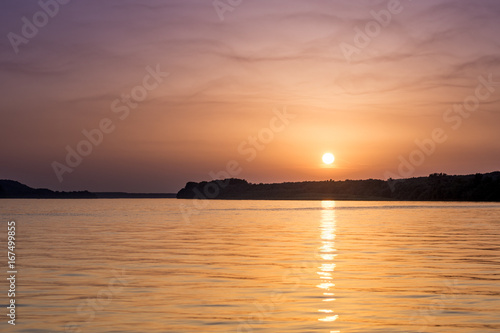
(143, 96)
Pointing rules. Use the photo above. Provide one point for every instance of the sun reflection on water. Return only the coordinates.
(327, 253)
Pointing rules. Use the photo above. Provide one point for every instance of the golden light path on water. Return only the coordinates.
(327, 266)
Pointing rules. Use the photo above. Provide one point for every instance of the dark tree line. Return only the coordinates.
(435, 187)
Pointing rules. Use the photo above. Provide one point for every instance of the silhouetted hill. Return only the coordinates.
(435, 187)
(11, 189)
(15, 190)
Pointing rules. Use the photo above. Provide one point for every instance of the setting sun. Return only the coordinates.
(328, 158)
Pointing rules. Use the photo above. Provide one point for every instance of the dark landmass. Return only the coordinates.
(15, 190)
(11, 189)
(435, 187)
(125, 195)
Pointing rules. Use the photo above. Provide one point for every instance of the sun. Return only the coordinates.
(328, 158)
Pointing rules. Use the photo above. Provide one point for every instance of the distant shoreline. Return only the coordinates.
(436, 187)
(11, 189)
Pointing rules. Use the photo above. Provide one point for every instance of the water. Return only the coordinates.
(253, 266)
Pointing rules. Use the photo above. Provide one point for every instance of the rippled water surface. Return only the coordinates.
(166, 265)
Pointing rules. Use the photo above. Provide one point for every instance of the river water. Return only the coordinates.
(167, 265)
